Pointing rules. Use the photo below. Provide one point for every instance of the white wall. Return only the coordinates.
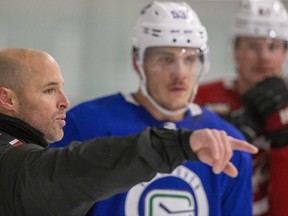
(90, 39)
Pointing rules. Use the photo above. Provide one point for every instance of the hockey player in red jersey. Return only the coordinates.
(256, 101)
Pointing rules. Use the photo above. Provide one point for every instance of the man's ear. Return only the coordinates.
(7, 98)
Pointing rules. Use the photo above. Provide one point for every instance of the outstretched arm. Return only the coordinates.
(70, 180)
(210, 146)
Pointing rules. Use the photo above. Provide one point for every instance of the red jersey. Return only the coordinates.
(270, 166)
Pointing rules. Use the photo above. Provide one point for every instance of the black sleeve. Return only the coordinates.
(68, 181)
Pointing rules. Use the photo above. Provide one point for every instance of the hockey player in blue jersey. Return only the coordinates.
(170, 56)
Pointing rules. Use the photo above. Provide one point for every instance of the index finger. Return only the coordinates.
(243, 145)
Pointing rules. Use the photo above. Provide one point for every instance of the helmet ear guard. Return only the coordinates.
(261, 18)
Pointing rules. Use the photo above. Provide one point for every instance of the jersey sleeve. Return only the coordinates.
(278, 181)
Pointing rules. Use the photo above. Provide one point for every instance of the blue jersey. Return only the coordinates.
(191, 189)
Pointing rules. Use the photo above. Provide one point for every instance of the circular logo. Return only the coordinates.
(180, 193)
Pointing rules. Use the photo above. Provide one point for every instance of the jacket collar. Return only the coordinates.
(21, 130)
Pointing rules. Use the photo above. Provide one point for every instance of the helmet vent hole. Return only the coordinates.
(188, 41)
(156, 13)
(174, 40)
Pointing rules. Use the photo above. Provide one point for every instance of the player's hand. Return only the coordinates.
(215, 148)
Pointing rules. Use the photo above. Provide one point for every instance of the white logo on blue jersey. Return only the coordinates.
(180, 193)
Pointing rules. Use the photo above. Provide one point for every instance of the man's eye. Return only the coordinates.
(167, 60)
(49, 91)
(274, 47)
(191, 59)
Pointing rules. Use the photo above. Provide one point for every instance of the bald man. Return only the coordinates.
(36, 180)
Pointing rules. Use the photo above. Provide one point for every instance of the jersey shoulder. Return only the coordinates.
(215, 89)
(97, 103)
(220, 96)
(212, 120)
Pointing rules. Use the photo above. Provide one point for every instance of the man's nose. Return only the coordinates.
(179, 69)
(64, 101)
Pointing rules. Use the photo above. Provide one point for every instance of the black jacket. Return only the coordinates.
(39, 181)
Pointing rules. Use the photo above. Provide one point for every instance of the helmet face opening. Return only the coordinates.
(270, 42)
(174, 60)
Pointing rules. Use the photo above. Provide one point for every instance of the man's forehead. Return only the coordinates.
(42, 82)
(45, 70)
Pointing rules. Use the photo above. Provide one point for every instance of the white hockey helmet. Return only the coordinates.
(168, 24)
(261, 18)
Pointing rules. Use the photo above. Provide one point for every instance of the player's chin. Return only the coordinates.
(56, 136)
(177, 106)
(60, 135)
(180, 101)
(61, 123)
